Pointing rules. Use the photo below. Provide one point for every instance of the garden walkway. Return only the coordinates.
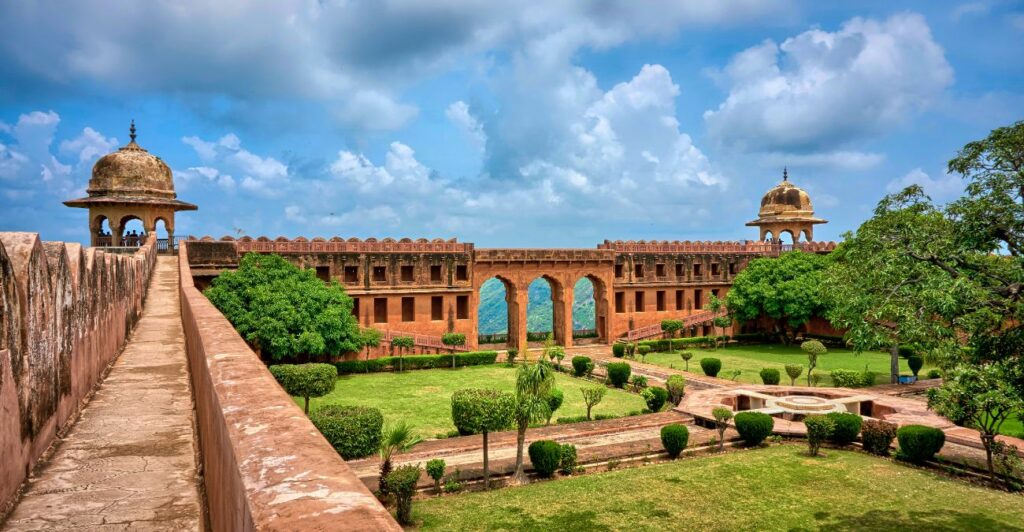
(130, 461)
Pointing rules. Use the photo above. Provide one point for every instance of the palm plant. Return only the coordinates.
(533, 384)
(395, 439)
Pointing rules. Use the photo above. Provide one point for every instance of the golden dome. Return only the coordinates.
(786, 202)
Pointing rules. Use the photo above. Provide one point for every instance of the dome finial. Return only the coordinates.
(785, 172)
(131, 130)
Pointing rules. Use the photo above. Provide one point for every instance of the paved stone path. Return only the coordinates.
(129, 461)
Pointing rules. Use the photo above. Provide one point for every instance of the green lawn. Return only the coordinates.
(1014, 426)
(423, 397)
(778, 488)
(752, 358)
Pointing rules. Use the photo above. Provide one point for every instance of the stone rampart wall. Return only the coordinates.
(265, 465)
(65, 313)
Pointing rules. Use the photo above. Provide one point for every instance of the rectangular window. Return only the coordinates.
(351, 274)
(408, 309)
(732, 268)
(638, 270)
(323, 273)
(714, 268)
(437, 308)
(680, 272)
(679, 299)
(461, 272)
(620, 302)
(660, 299)
(714, 292)
(462, 307)
(638, 301)
(698, 296)
(435, 273)
(697, 269)
(380, 310)
(355, 307)
(618, 271)
(407, 273)
(659, 270)
(380, 273)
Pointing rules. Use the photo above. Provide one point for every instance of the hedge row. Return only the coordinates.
(667, 344)
(376, 365)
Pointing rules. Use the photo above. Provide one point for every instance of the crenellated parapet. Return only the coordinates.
(716, 247)
(283, 245)
(65, 312)
(543, 255)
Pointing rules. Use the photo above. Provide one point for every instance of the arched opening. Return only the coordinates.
(101, 235)
(544, 311)
(164, 235)
(132, 232)
(496, 313)
(786, 232)
(589, 311)
(768, 237)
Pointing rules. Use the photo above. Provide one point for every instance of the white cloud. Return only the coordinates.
(88, 146)
(969, 9)
(224, 158)
(943, 188)
(843, 160)
(458, 113)
(184, 178)
(822, 88)
(28, 164)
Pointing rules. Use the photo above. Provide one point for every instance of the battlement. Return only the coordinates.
(742, 247)
(283, 245)
(543, 255)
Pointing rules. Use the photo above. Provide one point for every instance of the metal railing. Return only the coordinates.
(421, 340)
(650, 331)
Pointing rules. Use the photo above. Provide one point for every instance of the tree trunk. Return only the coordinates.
(894, 364)
(487, 471)
(986, 441)
(519, 477)
(588, 412)
(306, 409)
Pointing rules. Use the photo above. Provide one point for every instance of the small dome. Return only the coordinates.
(131, 171)
(785, 200)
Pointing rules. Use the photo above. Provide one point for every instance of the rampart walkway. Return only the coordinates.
(130, 461)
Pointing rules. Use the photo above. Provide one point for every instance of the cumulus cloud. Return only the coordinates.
(225, 157)
(459, 114)
(89, 145)
(29, 163)
(942, 188)
(821, 89)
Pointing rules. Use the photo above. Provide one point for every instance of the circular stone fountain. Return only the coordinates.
(797, 406)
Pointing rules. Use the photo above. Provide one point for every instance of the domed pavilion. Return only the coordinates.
(130, 184)
(786, 208)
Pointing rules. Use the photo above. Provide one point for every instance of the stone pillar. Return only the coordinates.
(517, 319)
(116, 234)
(568, 296)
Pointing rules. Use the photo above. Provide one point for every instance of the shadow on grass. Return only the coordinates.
(933, 521)
(562, 522)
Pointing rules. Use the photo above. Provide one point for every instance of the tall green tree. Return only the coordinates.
(482, 411)
(283, 311)
(533, 384)
(785, 289)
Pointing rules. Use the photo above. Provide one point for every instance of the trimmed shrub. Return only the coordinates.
(846, 426)
(581, 365)
(907, 351)
(435, 469)
(919, 443)
(618, 350)
(819, 428)
(676, 388)
(655, 398)
(877, 436)
(753, 427)
(711, 366)
(639, 382)
(915, 363)
(510, 355)
(770, 376)
(402, 482)
(476, 410)
(554, 399)
(674, 438)
(934, 374)
(354, 431)
(618, 373)
(306, 380)
(793, 371)
(846, 378)
(545, 455)
(867, 378)
(376, 365)
(567, 463)
(453, 339)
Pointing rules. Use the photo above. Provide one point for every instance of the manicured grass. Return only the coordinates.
(778, 488)
(423, 397)
(752, 358)
(1014, 426)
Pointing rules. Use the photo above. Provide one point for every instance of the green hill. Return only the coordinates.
(493, 310)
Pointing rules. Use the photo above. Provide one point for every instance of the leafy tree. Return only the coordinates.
(785, 289)
(722, 416)
(592, 397)
(534, 383)
(481, 411)
(397, 438)
(554, 399)
(306, 380)
(813, 348)
(715, 304)
(676, 386)
(982, 397)
(401, 343)
(671, 327)
(435, 469)
(283, 311)
(370, 337)
(404, 481)
(794, 371)
(452, 340)
(686, 356)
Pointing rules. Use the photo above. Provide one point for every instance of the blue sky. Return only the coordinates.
(502, 124)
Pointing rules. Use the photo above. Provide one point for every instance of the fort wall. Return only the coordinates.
(265, 465)
(65, 313)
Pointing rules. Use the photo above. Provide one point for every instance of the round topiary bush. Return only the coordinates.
(618, 350)
(934, 374)
(845, 427)
(915, 362)
(919, 443)
(581, 365)
(753, 427)
(655, 398)
(711, 366)
(306, 380)
(354, 431)
(676, 387)
(877, 436)
(674, 438)
(618, 373)
(770, 376)
(545, 455)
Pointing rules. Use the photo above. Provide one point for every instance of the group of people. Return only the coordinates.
(131, 239)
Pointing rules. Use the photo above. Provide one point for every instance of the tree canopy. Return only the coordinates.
(284, 311)
(785, 289)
